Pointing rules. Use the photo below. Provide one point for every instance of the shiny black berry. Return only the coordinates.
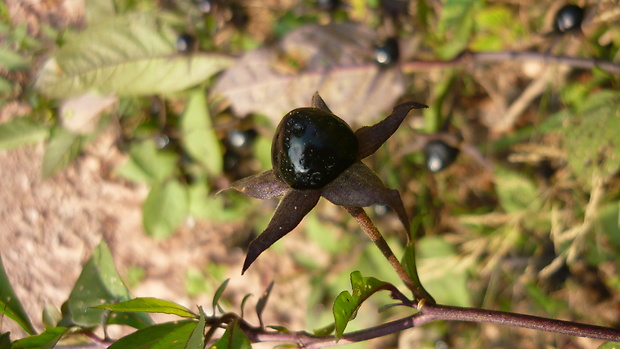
(387, 54)
(186, 43)
(568, 18)
(311, 147)
(439, 155)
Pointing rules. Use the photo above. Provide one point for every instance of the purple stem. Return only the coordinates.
(492, 57)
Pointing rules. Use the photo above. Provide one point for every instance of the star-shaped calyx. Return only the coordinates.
(315, 153)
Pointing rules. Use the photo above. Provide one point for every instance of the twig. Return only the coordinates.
(430, 313)
(434, 312)
(369, 228)
(493, 57)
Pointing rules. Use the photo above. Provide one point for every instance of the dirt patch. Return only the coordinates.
(49, 228)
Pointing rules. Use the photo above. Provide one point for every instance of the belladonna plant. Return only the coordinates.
(315, 153)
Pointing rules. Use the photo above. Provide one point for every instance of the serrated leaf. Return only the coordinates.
(346, 304)
(131, 54)
(516, 192)
(233, 338)
(64, 146)
(10, 304)
(169, 335)
(45, 340)
(262, 302)
(197, 338)
(148, 164)
(218, 294)
(21, 131)
(149, 305)
(199, 138)
(164, 209)
(99, 283)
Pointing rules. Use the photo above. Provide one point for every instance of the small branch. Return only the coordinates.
(442, 312)
(369, 228)
(493, 57)
(430, 313)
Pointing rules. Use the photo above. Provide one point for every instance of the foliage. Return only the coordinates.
(511, 221)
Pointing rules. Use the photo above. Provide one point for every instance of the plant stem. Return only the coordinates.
(373, 233)
(434, 312)
(493, 57)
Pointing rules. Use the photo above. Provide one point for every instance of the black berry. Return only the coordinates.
(568, 18)
(312, 147)
(439, 155)
(387, 54)
(186, 43)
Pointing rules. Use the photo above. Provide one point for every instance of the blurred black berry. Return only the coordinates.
(568, 19)
(439, 155)
(186, 43)
(388, 53)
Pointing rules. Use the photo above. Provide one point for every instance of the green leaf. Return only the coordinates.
(51, 315)
(409, 263)
(610, 345)
(218, 295)
(590, 138)
(243, 301)
(199, 139)
(169, 335)
(445, 276)
(97, 10)
(11, 60)
(148, 164)
(203, 205)
(132, 54)
(516, 192)
(197, 338)
(164, 209)
(346, 304)
(64, 146)
(5, 340)
(10, 304)
(324, 331)
(21, 131)
(99, 283)
(456, 24)
(149, 305)
(233, 338)
(45, 340)
(6, 86)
